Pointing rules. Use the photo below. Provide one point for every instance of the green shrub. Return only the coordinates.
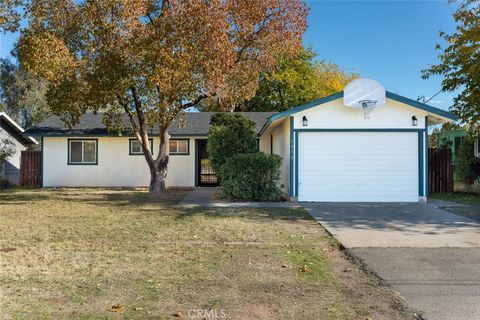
(229, 135)
(467, 169)
(253, 176)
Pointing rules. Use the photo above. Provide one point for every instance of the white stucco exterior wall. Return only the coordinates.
(115, 168)
(281, 146)
(335, 115)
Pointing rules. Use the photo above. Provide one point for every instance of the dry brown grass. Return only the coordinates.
(80, 252)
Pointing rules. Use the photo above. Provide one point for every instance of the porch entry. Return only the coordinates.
(205, 175)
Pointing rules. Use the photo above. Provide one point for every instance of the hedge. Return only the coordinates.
(252, 177)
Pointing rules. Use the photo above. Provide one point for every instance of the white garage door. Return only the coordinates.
(358, 166)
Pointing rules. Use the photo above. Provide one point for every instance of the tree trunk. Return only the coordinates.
(158, 176)
(158, 167)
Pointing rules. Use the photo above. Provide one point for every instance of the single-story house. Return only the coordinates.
(9, 129)
(88, 155)
(331, 152)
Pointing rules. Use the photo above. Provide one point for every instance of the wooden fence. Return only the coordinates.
(440, 170)
(31, 168)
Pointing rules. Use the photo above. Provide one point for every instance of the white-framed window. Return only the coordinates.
(83, 151)
(179, 146)
(135, 147)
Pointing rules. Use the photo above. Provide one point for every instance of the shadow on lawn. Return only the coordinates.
(267, 214)
(142, 201)
(114, 197)
(10, 197)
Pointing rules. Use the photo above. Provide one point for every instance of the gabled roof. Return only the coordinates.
(196, 124)
(422, 106)
(338, 95)
(14, 129)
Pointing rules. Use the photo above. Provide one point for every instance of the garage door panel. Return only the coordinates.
(350, 172)
(358, 166)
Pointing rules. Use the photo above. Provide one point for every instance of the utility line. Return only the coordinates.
(436, 94)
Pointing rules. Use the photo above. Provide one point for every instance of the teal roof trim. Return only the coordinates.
(291, 111)
(309, 105)
(421, 106)
(338, 95)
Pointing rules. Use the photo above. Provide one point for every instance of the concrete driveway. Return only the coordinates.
(428, 254)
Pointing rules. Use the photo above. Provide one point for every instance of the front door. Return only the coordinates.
(206, 176)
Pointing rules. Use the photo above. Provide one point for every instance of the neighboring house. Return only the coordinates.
(9, 129)
(454, 140)
(330, 151)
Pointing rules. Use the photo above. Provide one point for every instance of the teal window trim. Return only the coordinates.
(290, 189)
(427, 175)
(296, 164)
(420, 162)
(42, 153)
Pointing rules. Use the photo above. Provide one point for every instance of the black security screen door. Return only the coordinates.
(205, 174)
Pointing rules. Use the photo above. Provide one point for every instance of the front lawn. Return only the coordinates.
(105, 254)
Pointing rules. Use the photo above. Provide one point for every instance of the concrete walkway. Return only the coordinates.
(204, 197)
(428, 254)
(198, 197)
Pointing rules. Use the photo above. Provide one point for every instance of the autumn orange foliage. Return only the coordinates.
(152, 59)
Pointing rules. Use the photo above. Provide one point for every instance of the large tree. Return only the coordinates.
(460, 62)
(9, 16)
(22, 95)
(296, 80)
(152, 59)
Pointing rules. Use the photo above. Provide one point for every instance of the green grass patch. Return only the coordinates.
(463, 198)
(472, 210)
(311, 265)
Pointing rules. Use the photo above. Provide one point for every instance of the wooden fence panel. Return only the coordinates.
(31, 168)
(440, 170)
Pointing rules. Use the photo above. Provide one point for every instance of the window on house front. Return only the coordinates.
(179, 146)
(82, 151)
(136, 147)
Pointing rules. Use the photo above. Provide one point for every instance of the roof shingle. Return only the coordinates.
(196, 124)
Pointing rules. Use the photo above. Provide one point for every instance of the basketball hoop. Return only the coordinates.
(367, 107)
(364, 94)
